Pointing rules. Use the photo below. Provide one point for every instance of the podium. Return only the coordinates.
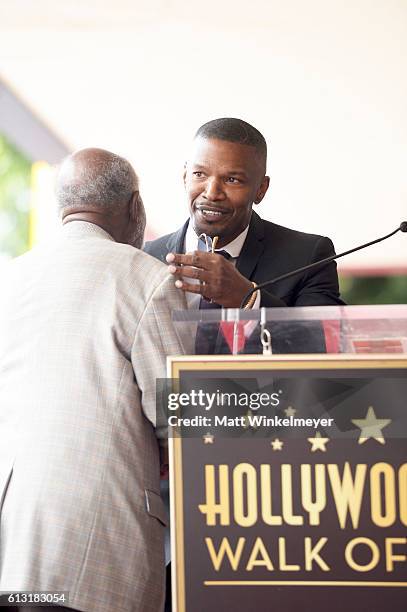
(288, 469)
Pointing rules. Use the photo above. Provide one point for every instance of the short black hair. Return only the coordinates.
(234, 130)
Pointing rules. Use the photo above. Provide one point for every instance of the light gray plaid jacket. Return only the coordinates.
(85, 327)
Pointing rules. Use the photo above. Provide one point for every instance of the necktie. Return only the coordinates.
(207, 335)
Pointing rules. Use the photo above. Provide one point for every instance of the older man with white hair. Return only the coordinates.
(85, 328)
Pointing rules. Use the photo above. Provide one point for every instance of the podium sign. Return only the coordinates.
(295, 502)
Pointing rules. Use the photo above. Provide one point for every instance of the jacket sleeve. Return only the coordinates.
(156, 338)
(269, 300)
(320, 287)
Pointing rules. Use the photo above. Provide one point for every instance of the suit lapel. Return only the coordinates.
(175, 243)
(253, 247)
(251, 252)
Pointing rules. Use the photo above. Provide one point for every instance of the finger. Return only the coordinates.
(199, 259)
(191, 288)
(189, 272)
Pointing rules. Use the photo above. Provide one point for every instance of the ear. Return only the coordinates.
(184, 174)
(261, 192)
(134, 205)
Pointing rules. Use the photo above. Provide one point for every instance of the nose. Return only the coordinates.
(213, 190)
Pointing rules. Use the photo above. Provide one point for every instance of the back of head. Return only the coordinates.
(235, 130)
(94, 180)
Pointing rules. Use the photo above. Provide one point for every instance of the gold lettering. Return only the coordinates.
(349, 554)
(383, 507)
(266, 497)
(313, 508)
(403, 493)
(390, 557)
(347, 492)
(312, 554)
(211, 508)
(287, 497)
(245, 470)
(225, 548)
(264, 560)
(283, 558)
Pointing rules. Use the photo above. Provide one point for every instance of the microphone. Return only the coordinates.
(402, 228)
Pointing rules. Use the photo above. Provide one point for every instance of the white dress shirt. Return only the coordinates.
(233, 248)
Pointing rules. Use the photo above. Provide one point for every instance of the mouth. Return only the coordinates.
(210, 213)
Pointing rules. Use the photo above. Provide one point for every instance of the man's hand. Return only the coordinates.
(218, 278)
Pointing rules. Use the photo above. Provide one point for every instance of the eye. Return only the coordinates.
(232, 180)
(197, 174)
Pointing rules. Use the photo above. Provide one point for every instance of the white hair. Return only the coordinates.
(104, 183)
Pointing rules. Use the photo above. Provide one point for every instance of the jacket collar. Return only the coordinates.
(79, 227)
(175, 242)
(253, 247)
(250, 254)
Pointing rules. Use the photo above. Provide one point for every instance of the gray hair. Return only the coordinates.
(104, 182)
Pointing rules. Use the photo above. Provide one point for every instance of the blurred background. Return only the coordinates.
(325, 81)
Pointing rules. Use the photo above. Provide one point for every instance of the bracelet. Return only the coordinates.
(252, 299)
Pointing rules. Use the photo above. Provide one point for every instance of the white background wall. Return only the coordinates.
(324, 80)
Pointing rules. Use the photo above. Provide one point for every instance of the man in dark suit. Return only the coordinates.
(224, 176)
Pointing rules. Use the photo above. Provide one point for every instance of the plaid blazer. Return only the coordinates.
(85, 327)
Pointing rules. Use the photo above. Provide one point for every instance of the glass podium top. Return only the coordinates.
(320, 329)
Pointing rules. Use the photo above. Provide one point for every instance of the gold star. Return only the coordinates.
(318, 443)
(247, 422)
(277, 444)
(208, 438)
(371, 427)
(290, 411)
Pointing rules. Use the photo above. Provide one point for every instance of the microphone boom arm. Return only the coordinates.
(401, 228)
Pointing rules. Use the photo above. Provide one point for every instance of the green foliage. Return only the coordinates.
(374, 289)
(15, 172)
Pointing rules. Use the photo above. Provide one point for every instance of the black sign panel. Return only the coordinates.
(304, 507)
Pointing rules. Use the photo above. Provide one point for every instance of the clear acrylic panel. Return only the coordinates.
(322, 329)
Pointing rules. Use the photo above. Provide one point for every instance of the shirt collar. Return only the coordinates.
(233, 248)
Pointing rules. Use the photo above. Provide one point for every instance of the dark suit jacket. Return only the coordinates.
(269, 251)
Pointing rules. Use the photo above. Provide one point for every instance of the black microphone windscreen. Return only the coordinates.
(403, 226)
